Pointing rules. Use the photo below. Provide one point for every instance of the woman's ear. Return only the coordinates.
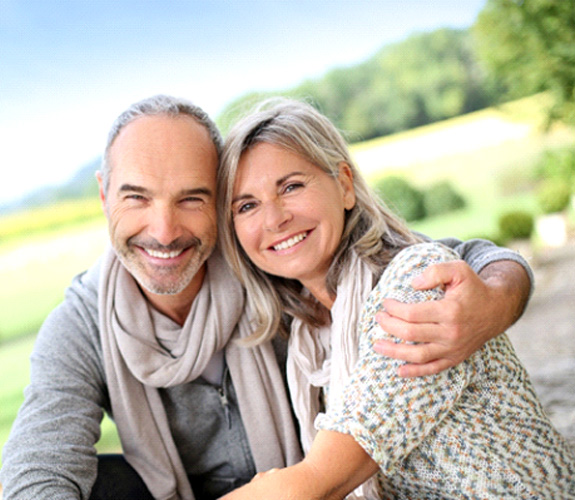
(345, 178)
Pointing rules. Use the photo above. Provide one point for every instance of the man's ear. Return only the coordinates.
(101, 189)
(345, 179)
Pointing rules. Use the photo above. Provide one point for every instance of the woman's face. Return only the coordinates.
(289, 214)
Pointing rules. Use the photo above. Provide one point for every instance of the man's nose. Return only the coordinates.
(164, 225)
(275, 215)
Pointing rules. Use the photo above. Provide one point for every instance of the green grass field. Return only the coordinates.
(488, 155)
(35, 270)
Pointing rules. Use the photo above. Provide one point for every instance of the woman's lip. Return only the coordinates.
(290, 242)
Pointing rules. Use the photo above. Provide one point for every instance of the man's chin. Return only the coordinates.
(162, 288)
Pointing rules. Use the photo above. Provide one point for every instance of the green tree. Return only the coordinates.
(426, 78)
(529, 45)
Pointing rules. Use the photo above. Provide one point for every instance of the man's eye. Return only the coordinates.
(192, 199)
(136, 197)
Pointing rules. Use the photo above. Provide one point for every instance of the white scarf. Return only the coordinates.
(136, 365)
(311, 365)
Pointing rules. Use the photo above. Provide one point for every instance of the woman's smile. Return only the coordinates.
(289, 214)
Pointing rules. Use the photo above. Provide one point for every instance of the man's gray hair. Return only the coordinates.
(156, 106)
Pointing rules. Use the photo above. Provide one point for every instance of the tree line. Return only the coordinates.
(515, 48)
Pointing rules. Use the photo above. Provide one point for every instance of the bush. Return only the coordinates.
(558, 164)
(553, 196)
(494, 238)
(516, 225)
(401, 197)
(441, 198)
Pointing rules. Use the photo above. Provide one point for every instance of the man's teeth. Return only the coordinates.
(163, 255)
(291, 242)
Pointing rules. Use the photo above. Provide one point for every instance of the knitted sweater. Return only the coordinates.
(475, 431)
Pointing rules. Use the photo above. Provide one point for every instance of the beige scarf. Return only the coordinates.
(326, 357)
(136, 365)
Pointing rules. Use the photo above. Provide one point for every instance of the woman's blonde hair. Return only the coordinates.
(370, 228)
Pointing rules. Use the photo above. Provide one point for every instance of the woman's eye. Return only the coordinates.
(292, 187)
(245, 207)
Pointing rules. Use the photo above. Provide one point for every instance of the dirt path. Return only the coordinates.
(544, 337)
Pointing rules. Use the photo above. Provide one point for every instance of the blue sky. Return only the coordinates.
(69, 67)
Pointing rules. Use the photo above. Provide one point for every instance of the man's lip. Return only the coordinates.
(161, 256)
(166, 255)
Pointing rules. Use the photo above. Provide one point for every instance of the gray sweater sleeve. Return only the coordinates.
(50, 453)
(480, 253)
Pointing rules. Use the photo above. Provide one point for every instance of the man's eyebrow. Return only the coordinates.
(195, 191)
(132, 188)
(184, 192)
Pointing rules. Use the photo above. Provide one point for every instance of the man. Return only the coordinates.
(147, 335)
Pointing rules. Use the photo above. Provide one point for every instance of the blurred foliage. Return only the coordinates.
(557, 164)
(553, 196)
(529, 46)
(401, 197)
(441, 198)
(516, 225)
(426, 78)
(413, 204)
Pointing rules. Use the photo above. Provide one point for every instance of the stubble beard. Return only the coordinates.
(164, 280)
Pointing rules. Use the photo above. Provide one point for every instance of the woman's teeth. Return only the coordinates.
(291, 242)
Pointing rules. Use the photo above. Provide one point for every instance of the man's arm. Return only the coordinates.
(50, 452)
(484, 296)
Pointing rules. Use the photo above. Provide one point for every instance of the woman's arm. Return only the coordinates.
(484, 296)
(390, 416)
(335, 466)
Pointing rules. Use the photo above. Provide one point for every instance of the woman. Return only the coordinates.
(317, 252)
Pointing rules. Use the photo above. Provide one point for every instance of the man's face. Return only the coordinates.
(161, 205)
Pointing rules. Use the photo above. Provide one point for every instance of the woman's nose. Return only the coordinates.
(275, 216)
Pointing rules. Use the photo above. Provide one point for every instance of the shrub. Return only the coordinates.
(404, 199)
(494, 238)
(557, 164)
(515, 225)
(441, 198)
(553, 196)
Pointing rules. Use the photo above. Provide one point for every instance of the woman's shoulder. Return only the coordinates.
(395, 282)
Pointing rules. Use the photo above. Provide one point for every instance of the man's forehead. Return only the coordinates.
(147, 131)
(163, 148)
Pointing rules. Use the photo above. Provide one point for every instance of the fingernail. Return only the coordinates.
(417, 281)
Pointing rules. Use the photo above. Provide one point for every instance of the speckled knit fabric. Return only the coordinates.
(475, 431)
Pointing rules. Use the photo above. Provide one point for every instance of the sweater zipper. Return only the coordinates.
(224, 399)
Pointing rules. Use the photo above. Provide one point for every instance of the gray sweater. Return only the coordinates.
(50, 453)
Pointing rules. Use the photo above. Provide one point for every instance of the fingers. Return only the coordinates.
(422, 370)
(441, 274)
(422, 312)
(410, 353)
(413, 324)
(421, 359)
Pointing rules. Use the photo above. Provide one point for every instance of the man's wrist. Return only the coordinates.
(509, 288)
